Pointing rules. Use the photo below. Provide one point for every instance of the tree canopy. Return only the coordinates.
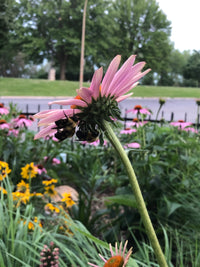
(52, 30)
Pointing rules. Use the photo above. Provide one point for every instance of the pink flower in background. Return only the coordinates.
(41, 169)
(190, 129)
(54, 161)
(99, 102)
(22, 121)
(128, 131)
(3, 110)
(181, 124)
(95, 143)
(135, 122)
(4, 124)
(13, 132)
(138, 109)
(132, 145)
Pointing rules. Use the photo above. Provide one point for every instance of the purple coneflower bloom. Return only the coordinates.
(139, 109)
(22, 121)
(4, 124)
(128, 131)
(95, 143)
(41, 169)
(190, 129)
(181, 124)
(95, 104)
(132, 145)
(13, 132)
(118, 258)
(3, 110)
(135, 122)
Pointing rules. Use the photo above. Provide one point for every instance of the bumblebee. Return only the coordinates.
(85, 134)
(65, 127)
(89, 136)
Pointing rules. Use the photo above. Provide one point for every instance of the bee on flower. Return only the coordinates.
(94, 105)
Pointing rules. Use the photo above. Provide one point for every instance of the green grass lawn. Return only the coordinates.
(34, 87)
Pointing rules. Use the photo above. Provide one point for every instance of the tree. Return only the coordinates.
(52, 30)
(143, 30)
(192, 68)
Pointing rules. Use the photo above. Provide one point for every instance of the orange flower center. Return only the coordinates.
(2, 121)
(135, 120)
(127, 129)
(115, 261)
(138, 107)
(21, 116)
(77, 97)
(1, 105)
(180, 121)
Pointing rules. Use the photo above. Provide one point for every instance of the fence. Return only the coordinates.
(197, 124)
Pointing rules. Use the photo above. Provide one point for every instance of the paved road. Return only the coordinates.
(181, 107)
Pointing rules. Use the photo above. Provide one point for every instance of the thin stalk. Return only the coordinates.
(82, 46)
(137, 193)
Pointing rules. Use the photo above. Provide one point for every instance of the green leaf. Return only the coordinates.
(127, 200)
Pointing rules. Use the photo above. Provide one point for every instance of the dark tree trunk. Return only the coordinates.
(63, 61)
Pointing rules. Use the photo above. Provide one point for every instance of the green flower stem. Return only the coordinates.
(137, 193)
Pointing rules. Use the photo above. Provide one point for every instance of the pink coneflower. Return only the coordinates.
(190, 129)
(4, 124)
(92, 106)
(41, 169)
(54, 161)
(181, 124)
(13, 132)
(138, 109)
(128, 131)
(135, 122)
(3, 110)
(95, 143)
(22, 121)
(117, 259)
(132, 145)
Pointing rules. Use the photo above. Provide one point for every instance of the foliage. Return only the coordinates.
(192, 68)
(167, 167)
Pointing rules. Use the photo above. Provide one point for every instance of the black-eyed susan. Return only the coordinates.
(22, 186)
(50, 207)
(49, 182)
(20, 197)
(50, 191)
(2, 190)
(4, 170)
(117, 259)
(29, 171)
(67, 199)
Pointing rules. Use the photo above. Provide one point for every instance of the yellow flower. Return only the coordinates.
(3, 190)
(31, 224)
(22, 187)
(67, 198)
(52, 208)
(29, 171)
(4, 170)
(48, 182)
(21, 197)
(50, 191)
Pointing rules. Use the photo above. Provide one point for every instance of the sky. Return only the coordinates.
(185, 21)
